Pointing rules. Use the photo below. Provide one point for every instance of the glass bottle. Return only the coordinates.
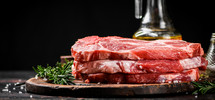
(211, 54)
(155, 24)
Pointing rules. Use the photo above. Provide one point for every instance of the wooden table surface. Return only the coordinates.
(11, 87)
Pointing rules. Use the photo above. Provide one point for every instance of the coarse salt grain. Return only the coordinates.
(20, 92)
(21, 87)
(5, 90)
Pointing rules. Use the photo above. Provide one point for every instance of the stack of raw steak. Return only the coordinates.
(115, 59)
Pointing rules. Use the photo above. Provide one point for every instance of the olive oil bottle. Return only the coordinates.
(155, 24)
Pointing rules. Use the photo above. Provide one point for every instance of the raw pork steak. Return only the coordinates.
(185, 76)
(112, 47)
(137, 67)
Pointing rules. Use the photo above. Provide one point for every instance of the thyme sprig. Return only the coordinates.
(204, 87)
(59, 74)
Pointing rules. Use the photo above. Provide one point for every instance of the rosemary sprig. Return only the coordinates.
(59, 74)
(204, 87)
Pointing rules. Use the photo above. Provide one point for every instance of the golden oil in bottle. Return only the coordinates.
(179, 37)
(155, 35)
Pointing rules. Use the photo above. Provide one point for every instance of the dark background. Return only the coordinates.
(37, 32)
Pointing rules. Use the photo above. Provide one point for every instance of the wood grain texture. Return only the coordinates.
(66, 57)
(39, 86)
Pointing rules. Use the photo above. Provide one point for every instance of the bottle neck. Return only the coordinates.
(156, 16)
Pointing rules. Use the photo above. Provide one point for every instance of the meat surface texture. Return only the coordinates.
(117, 48)
(138, 67)
(115, 59)
(185, 76)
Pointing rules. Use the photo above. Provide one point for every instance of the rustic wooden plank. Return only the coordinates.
(64, 58)
(39, 86)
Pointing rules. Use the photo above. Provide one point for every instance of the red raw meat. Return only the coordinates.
(185, 76)
(117, 48)
(137, 67)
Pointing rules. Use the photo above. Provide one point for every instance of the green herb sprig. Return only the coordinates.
(204, 87)
(59, 74)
